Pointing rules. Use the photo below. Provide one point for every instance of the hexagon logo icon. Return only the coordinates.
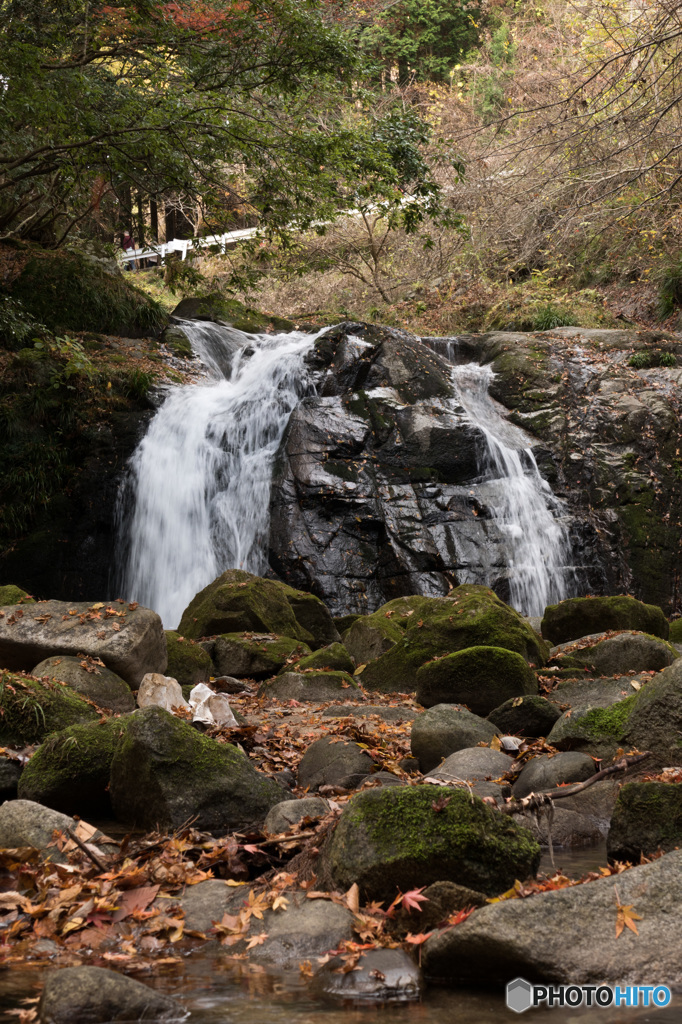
(519, 995)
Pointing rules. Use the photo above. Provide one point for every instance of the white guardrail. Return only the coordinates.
(183, 245)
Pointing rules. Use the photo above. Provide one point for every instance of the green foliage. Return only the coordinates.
(490, 94)
(424, 38)
(139, 382)
(549, 316)
(17, 325)
(644, 360)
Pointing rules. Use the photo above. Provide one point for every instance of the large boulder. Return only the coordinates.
(164, 772)
(442, 730)
(334, 657)
(550, 770)
(471, 616)
(94, 995)
(70, 770)
(205, 903)
(291, 812)
(128, 639)
(255, 656)
(309, 686)
(370, 636)
(651, 719)
(303, 930)
(396, 838)
(473, 764)
(568, 936)
(647, 817)
(583, 616)
(91, 680)
(26, 823)
(30, 708)
(333, 761)
(530, 716)
(10, 773)
(238, 601)
(626, 652)
(480, 677)
(187, 661)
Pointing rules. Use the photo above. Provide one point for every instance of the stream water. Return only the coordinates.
(196, 497)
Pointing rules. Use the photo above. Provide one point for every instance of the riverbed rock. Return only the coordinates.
(303, 930)
(255, 655)
(473, 764)
(471, 616)
(187, 661)
(444, 729)
(647, 817)
(370, 636)
(94, 995)
(582, 694)
(30, 709)
(333, 658)
(205, 903)
(626, 652)
(480, 677)
(91, 680)
(128, 639)
(582, 616)
(559, 936)
(386, 712)
(531, 716)
(333, 761)
(165, 772)
(291, 812)
(384, 976)
(27, 823)
(239, 601)
(70, 770)
(159, 691)
(579, 820)
(547, 771)
(309, 686)
(392, 838)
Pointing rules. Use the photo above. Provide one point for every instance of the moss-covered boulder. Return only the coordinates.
(531, 716)
(617, 655)
(675, 632)
(164, 772)
(239, 601)
(370, 636)
(444, 729)
(651, 719)
(334, 658)
(255, 656)
(10, 594)
(70, 770)
(219, 309)
(187, 662)
(480, 677)
(310, 686)
(90, 679)
(583, 616)
(471, 616)
(31, 709)
(647, 817)
(394, 839)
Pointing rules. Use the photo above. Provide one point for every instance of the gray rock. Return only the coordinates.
(136, 646)
(255, 656)
(547, 771)
(531, 716)
(444, 899)
(559, 936)
(290, 812)
(647, 817)
(303, 930)
(93, 995)
(583, 694)
(164, 772)
(383, 711)
(10, 773)
(332, 761)
(334, 657)
(627, 652)
(205, 903)
(383, 779)
(368, 638)
(309, 686)
(480, 677)
(384, 975)
(568, 828)
(91, 680)
(473, 764)
(444, 729)
(582, 616)
(26, 823)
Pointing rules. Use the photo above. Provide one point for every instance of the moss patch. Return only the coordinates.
(480, 677)
(647, 816)
(187, 662)
(581, 616)
(30, 708)
(14, 595)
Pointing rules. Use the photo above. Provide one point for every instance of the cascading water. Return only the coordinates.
(198, 486)
(526, 511)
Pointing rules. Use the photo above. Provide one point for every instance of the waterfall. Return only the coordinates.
(196, 498)
(526, 511)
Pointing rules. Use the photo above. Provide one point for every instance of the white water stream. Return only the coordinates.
(200, 478)
(196, 498)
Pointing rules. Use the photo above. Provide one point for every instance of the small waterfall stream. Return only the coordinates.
(198, 487)
(196, 497)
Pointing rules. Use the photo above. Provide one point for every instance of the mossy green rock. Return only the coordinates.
(391, 839)
(334, 658)
(675, 633)
(310, 686)
(370, 636)
(239, 601)
(86, 677)
(31, 709)
(255, 656)
(187, 662)
(650, 719)
(164, 772)
(471, 616)
(626, 652)
(583, 616)
(647, 817)
(10, 594)
(218, 309)
(70, 770)
(480, 677)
